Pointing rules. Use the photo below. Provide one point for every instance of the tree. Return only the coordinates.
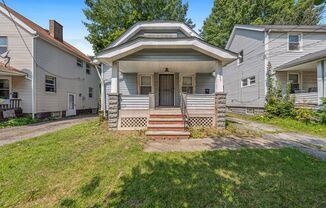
(226, 13)
(108, 19)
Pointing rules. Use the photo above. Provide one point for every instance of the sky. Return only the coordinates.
(69, 14)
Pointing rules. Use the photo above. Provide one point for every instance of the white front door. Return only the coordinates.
(71, 105)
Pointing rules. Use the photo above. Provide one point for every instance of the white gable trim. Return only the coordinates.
(243, 27)
(153, 25)
(20, 23)
(119, 52)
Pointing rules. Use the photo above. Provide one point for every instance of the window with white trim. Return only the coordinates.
(249, 81)
(240, 57)
(88, 69)
(187, 84)
(4, 89)
(294, 42)
(79, 62)
(3, 44)
(90, 92)
(145, 84)
(50, 84)
(294, 80)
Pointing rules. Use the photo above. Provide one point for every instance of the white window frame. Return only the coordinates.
(54, 85)
(88, 68)
(300, 42)
(10, 84)
(299, 78)
(193, 81)
(4, 46)
(79, 62)
(139, 76)
(242, 57)
(248, 82)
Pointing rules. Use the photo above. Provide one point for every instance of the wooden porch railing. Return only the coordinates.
(10, 104)
(308, 98)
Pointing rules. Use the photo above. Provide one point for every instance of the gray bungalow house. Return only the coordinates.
(161, 76)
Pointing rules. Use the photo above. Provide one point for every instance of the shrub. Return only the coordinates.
(304, 114)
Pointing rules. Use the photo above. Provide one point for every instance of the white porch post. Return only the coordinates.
(321, 80)
(115, 78)
(218, 77)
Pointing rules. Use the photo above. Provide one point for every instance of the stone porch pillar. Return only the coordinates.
(218, 77)
(321, 80)
(114, 98)
(220, 110)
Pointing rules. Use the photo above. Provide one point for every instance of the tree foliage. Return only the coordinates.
(226, 13)
(108, 19)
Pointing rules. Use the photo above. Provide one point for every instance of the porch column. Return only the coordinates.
(218, 77)
(321, 80)
(220, 110)
(114, 98)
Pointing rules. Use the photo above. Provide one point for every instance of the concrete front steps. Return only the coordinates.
(165, 124)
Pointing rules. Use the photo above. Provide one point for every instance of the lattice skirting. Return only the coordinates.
(133, 123)
(207, 121)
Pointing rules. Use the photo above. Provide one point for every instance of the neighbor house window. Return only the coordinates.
(241, 58)
(79, 62)
(50, 84)
(90, 92)
(145, 85)
(249, 81)
(4, 89)
(88, 69)
(3, 44)
(187, 86)
(293, 79)
(294, 43)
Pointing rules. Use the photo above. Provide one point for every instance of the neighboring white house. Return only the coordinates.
(45, 75)
(283, 46)
(163, 67)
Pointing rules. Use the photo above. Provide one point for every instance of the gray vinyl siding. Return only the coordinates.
(128, 83)
(205, 81)
(20, 59)
(308, 79)
(69, 79)
(252, 43)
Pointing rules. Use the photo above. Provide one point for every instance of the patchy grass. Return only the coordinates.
(288, 124)
(88, 166)
(229, 131)
(21, 121)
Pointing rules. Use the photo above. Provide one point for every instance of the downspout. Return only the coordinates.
(34, 77)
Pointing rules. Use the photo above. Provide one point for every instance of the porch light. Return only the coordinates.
(166, 70)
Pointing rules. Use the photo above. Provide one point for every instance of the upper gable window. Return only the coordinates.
(79, 62)
(160, 35)
(3, 44)
(294, 42)
(240, 58)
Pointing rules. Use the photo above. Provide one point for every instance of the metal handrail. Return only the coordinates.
(184, 111)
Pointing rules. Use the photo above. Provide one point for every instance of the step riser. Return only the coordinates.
(172, 137)
(166, 122)
(165, 116)
(166, 128)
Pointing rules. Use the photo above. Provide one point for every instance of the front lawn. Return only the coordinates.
(288, 124)
(87, 166)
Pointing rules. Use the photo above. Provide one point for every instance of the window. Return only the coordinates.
(50, 84)
(240, 58)
(3, 44)
(90, 92)
(250, 81)
(293, 79)
(187, 86)
(79, 62)
(145, 85)
(88, 69)
(294, 43)
(4, 89)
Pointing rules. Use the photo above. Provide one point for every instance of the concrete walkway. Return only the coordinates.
(14, 134)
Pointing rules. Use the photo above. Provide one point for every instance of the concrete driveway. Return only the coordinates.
(14, 134)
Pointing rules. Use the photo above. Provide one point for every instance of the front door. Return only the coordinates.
(71, 105)
(166, 90)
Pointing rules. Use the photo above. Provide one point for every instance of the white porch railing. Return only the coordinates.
(310, 98)
(200, 101)
(130, 102)
(10, 104)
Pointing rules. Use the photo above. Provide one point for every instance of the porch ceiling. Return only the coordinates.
(173, 66)
(310, 66)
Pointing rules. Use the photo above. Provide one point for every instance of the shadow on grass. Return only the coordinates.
(89, 188)
(246, 178)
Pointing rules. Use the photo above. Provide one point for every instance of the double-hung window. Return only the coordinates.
(145, 84)
(249, 81)
(3, 44)
(79, 62)
(4, 89)
(88, 69)
(240, 57)
(90, 92)
(187, 85)
(50, 84)
(295, 42)
(293, 79)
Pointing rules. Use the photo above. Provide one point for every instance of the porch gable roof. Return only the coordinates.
(115, 53)
(10, 71)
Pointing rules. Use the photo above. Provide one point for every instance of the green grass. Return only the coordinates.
(87, 166)
(288, 124)
(21, 121)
